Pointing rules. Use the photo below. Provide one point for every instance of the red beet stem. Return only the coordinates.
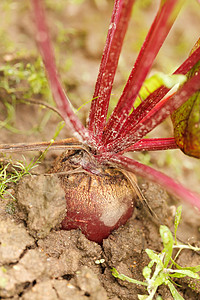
(157, 34)
(46, 50)
(158, 177)
(144, 108)
(118, 27)
(153, 144)
(159, 113)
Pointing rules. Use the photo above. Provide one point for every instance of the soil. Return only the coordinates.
(38, 260)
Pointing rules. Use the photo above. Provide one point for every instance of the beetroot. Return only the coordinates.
(99, 200)
(99, 197)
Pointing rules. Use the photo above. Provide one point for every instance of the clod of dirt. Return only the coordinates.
(14, 239)
(43, 201)
(67, 251)
(192, 259)
(85, 285)
(43, 291)
(158, 200)
(124, 250)
(14, 279)
(89, 283)
(68, 291)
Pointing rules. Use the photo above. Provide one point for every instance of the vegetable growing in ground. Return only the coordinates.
(94, 165)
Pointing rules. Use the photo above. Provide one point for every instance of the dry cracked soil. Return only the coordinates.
(41, 261)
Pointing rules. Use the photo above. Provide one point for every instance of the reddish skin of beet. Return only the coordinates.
(95, 214)
(96, 203)
(89, 223)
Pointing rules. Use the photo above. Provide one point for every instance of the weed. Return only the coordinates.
(166, 270)
(12, 172)
(31, 74)
(20, 81)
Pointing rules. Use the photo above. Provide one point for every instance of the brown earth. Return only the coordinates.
(40, 261)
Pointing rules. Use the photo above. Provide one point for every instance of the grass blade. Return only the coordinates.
(177, 221)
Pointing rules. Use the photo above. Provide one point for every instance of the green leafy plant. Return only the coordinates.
(20, 81)
(186, 120)
(165, 267)
(12, 172)
(32, 74)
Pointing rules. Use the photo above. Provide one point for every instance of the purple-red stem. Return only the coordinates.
(147, 172)
(117, 29)
(45, 47)
(153, 144)
(154, 40)
(160, 112)
(144, 108)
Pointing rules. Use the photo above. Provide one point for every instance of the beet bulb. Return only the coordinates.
(99, 198)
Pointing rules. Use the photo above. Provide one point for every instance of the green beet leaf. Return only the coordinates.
(186, 120)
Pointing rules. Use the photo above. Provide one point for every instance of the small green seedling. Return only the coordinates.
(13, 172)
(165, 267)
(21, 81)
